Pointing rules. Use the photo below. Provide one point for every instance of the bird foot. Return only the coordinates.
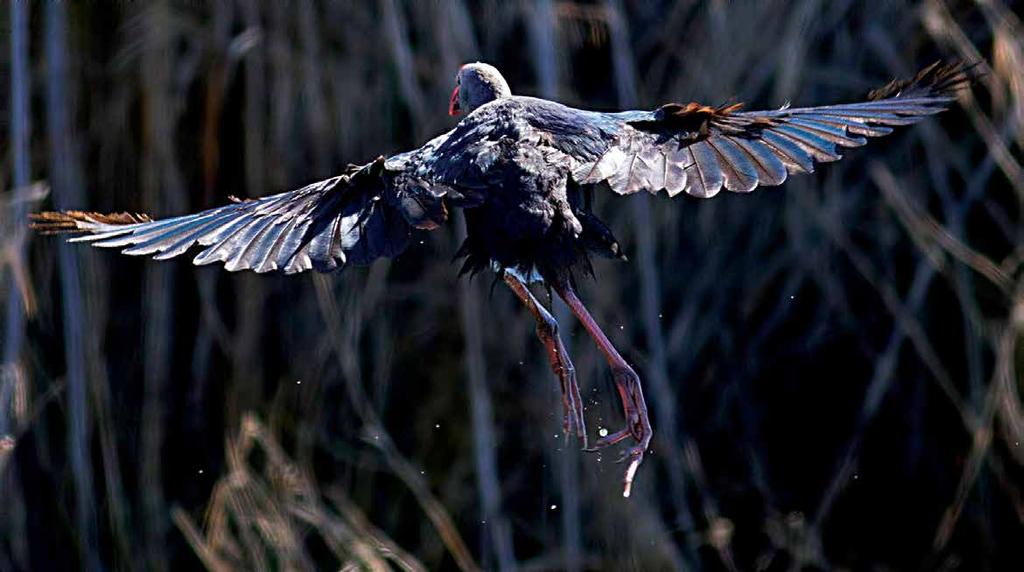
(638, 427)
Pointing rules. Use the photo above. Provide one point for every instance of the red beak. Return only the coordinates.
(453, 104)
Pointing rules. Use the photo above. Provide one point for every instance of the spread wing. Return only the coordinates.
(368, 212)
(701, 150)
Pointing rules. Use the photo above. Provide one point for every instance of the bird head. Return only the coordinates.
(476, 84)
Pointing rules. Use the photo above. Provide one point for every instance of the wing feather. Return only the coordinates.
(771, 170)
(169, 246)
(796, 159)
(141, 233)
(227, 242)
(270, 245)
(849, 124)
(820, 149)
(244, 240)
(704, 176)
(740, 173)
(657, 167)
(676, 163)
(838, 135)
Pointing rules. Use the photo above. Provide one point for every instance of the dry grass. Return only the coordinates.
(266, 510)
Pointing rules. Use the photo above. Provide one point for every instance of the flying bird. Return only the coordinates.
(524, 171)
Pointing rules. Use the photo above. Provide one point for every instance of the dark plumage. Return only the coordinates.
(522, 169)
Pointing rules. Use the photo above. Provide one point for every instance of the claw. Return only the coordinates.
(630, 473)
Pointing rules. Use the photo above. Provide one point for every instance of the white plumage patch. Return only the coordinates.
(531, 277)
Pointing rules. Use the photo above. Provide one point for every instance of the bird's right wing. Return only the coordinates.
(368, 212)
(701, 149)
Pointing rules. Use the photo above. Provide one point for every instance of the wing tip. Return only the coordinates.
(938, 80)
(59, 222)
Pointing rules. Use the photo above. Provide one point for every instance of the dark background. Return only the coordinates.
(832, 368)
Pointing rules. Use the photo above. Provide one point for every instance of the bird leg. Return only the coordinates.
(561, 365)
(628, 384)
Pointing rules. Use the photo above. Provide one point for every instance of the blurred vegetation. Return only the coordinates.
(833, 368)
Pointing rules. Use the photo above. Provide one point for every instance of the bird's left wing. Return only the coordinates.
(370, 211)
(701, 149)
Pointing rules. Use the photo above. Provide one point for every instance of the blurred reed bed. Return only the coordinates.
(832, 368)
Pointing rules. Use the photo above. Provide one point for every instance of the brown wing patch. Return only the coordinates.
(694, 121)
(70, 221)
(692, 117)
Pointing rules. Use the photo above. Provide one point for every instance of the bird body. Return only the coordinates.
(527, 212)
(523, 170)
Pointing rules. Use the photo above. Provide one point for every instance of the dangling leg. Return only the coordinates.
(626, 381)
(547, 331)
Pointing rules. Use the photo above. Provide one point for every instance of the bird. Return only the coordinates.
(524, 171)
